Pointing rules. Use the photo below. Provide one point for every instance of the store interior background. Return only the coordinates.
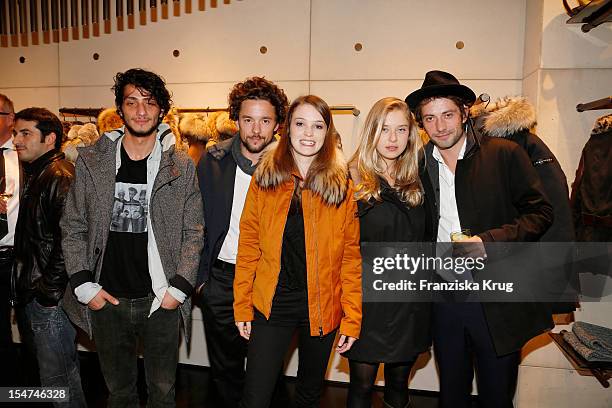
(511, 47)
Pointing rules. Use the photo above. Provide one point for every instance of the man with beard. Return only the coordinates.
(39, 271)
(136, 284)
(489, 186)
(259, 107)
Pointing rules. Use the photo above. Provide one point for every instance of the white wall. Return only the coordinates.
(563, 67)
(510, 47)
(310, 49)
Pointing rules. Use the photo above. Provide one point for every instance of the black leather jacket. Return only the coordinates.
(39, 270)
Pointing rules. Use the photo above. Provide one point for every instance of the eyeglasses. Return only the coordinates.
(5, 113)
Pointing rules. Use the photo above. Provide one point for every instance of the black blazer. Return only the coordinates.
(216, 178)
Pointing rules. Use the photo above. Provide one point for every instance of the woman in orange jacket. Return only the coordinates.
(299, 263)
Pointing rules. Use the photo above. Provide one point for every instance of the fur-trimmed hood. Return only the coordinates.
(331, 184)
(504, 117)
(193, 127)
(108, 120)
(602, 125)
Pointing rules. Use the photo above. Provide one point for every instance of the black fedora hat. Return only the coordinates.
(439, 83)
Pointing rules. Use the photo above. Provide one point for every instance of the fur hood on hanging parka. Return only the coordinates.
(504, 117)
(602, 125)
(514, 118)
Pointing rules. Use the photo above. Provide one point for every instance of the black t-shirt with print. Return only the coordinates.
(125, 269)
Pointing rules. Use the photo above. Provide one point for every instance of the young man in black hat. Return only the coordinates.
(486, 185)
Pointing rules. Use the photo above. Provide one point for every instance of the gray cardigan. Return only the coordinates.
(175, 211)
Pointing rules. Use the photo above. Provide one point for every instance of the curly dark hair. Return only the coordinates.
(146, 81)
(258, 88)
(46, 122)
(461, 103)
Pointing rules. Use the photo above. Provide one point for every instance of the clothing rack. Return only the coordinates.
(83, 112)
(604, 103)
(335, 109)
(199, 110)
(345, 109)
(94, 112)
(590, 15)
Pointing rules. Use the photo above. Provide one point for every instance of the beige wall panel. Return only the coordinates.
(363, 94)
(403, 39)
(47, 97)
(214, 95)
(217, 45)
(559, 124)
(566, 46)
(199, 95)
(549, 387)
(531, 88)
(597, 313)
(39, 69)
(533, 36)
(86, 97)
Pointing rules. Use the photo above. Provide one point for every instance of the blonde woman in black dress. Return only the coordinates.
(394, 200)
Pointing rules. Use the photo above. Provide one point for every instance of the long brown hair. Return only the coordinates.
(283, 156)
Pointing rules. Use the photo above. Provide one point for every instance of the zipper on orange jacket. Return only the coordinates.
(317, 271)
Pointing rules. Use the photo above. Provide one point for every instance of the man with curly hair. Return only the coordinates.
(134, 278)
(259, 107)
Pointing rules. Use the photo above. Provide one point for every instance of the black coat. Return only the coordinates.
(395, 332)
(500, 198)
(554, 184)
(39, 262)
(511, 118)
(216, 175)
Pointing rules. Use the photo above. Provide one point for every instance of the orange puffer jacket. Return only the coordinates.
(333, 257)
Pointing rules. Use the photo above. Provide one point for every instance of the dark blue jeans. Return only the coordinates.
(461, 340)
(117, 331)
(58, 360)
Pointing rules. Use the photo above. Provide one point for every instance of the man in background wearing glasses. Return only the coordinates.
(9, 208)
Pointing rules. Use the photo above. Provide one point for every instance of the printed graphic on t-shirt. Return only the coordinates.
(130, 210)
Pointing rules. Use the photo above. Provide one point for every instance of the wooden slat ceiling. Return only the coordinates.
(32, 22)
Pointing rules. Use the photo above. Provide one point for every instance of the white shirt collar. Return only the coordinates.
(436, 152)
(9, 144)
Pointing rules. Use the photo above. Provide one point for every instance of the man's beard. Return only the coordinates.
(256, 149)
(142, 133)
(447, 144)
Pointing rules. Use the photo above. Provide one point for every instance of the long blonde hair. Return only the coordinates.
(371, 165)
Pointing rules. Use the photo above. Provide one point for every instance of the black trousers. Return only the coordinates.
(270, 341)
(7, 348)
(461, 340)
(226, 349)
